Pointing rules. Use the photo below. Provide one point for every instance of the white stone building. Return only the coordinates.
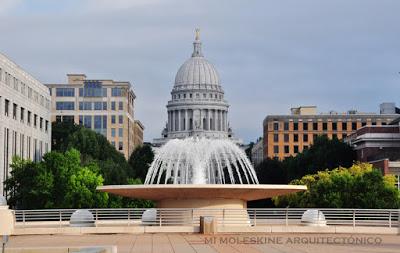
(257, 152)
(25, 128)
(197, 107)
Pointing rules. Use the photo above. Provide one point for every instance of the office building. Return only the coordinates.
(25, 128)
(105, 106)
(287, 135)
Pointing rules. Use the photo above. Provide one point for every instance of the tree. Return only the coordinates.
(323, 154)
(271, 171)
(29, 185)
(59, 181)
(360, 186)
(94, 148)
(140, 161)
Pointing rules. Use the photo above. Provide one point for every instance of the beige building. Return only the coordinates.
(105, 106)
(25, 128)
(139, 128)
(287, 135)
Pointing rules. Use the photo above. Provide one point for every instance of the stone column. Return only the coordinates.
(173, 120)
(208, 119)
(179, 120)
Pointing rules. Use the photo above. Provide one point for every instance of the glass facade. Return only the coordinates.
(92, 88)
(117, 92)
(65, 106)
(65, 92)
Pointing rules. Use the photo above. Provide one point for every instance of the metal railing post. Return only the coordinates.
(223, 217)
(97, 215)
(160, 217)
(255, 217)
(192, 216)
(287, 217)
(60, 216)
(354, 218)
(129, 216)
(23, 217)
(390, 218)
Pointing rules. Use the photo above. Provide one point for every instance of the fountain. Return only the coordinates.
(201, 173)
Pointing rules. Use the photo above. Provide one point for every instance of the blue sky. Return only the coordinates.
(271, 55)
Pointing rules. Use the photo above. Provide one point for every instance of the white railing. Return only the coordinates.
(191, 217)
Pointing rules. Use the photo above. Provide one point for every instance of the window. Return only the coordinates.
(65, 105)
(295, 137)
(384, 123)
(120, 146)
(120, 132)
(324, 126)
(65, 92)
(22, 114)
(98, 106)
(6, 107)
(112, 119)
(344, 126)
(286, 138)
(286, 126)
(305, 126)
(28, 118)
(120, 119)
(120, 105)
(46, 126)
(34, 120)
(276, 149)
(14, 111)
(276, 137)
(204, 95)
(104, 105)
(97, 122)
(112, 132)
(334, 126)
(41, 123)
(295, 149)
(276, 126)
(87, 121)
(315, 126)
(363, 124)
(116, 92)
(85, 106)
(113, 105)
(354, 126)
(190, 95)
(305, 137)
(295, 126)
(286, 148)
(80, 120)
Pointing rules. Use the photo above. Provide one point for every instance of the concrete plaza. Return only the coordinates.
(187, 243)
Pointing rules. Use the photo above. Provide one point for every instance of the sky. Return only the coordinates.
(270, 55)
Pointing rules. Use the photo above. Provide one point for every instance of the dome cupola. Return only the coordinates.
(197, 70)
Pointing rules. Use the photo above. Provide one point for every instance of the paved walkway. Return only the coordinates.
(190, 243)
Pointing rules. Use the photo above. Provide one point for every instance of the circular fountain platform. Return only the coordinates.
(201, 195)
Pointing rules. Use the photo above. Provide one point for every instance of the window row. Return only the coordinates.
(23, 88)
(89, 91)
(305, 138)
(190, 95)
(120, 132)
(286, 149)
(345, 126)
(21, 114)
(85, 106)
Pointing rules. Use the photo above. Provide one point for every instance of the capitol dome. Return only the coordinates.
(197, 70)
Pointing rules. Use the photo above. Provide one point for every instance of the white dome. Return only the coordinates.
(82, 218)
(197, 70)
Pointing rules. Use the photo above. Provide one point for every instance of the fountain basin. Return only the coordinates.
(204, 194)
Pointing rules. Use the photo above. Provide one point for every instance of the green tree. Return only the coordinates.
(93, 147)
(59, 181)
(29, 185)
(140, 161)
(323, 154)
(360, 186)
